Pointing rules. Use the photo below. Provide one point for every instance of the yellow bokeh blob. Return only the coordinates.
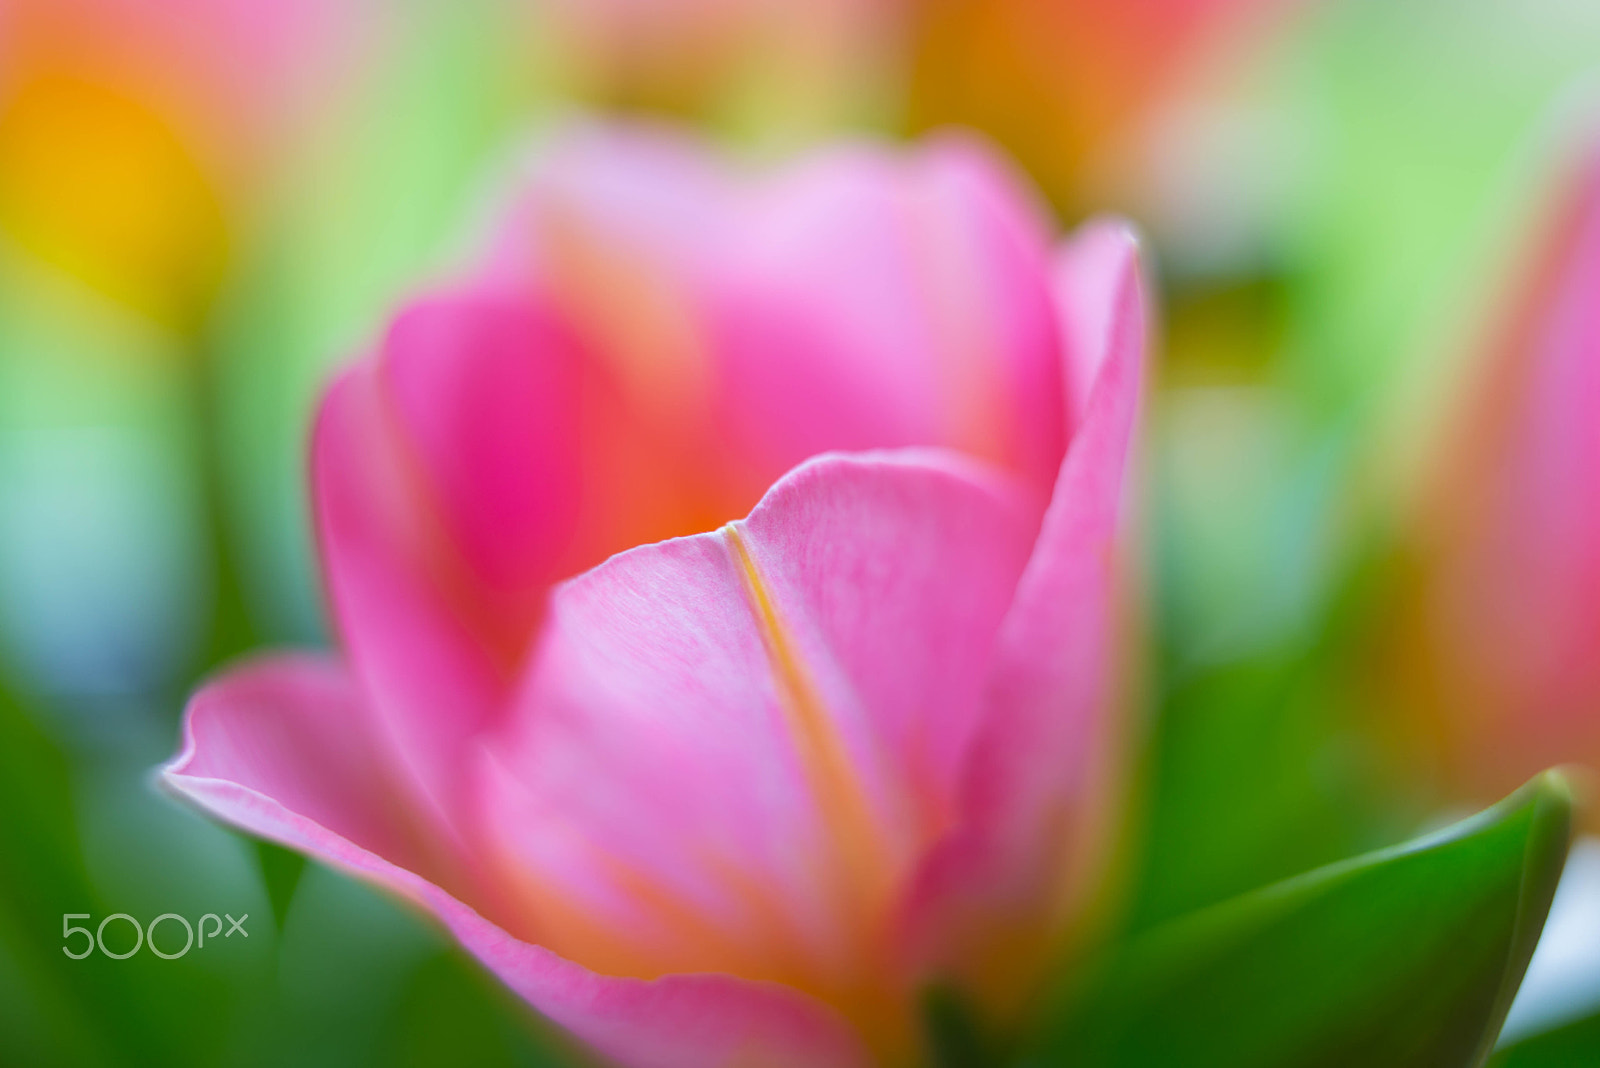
(98, 185)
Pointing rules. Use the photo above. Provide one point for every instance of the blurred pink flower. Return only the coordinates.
(736, 796)
(1504, 627)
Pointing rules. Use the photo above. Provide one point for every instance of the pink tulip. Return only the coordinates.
(1505, 627)
(733, 797)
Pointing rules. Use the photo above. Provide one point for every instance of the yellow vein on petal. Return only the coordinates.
(861, 867)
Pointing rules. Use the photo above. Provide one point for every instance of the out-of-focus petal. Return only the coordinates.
(1509, 547)
(484, 390)
(997, 890)
(1093, 274)
(734, 746)
(615, 227)
(276, 748)
(1055, 661)
(753, 319)
(881, 301)
(445, 490)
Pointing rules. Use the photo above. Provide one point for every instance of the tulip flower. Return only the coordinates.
(709, 792)
(1503, 637)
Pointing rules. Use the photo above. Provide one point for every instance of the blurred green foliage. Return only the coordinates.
(342, 977)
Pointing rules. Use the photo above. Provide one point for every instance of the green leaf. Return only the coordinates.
(1573, 1045)
(1256, 774)
(1405, 957)
(1270, 762)
(280, 873)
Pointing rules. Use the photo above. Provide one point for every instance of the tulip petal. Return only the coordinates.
(484, 388)
(1510, 539)
(444, 481)
(280, 745)
(1055, 659)
(274, 748)
(899, 568)
(875, 301)
(992, 896)
(1092, 274)
(863, 299)
(734, 746)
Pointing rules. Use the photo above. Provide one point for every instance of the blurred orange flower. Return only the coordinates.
(1058, 83)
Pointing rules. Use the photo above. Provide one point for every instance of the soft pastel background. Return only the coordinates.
(206, 204)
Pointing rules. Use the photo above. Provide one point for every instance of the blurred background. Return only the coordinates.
(207, 204)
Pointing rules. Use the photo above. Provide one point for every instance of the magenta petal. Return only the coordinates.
(635, 189)
(275, 747)
(421, 664)
(486, 389)
(897, 569)
(1510, 535)
(1533, 630)
(879, 301)
(860, 299)
(1055, 657)
(444, 476)
(282, 746)
(734, 746)
(1092, 276)
(1037, 770)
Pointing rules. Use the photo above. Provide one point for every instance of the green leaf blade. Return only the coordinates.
(1405, 957)
(1572, 1045)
